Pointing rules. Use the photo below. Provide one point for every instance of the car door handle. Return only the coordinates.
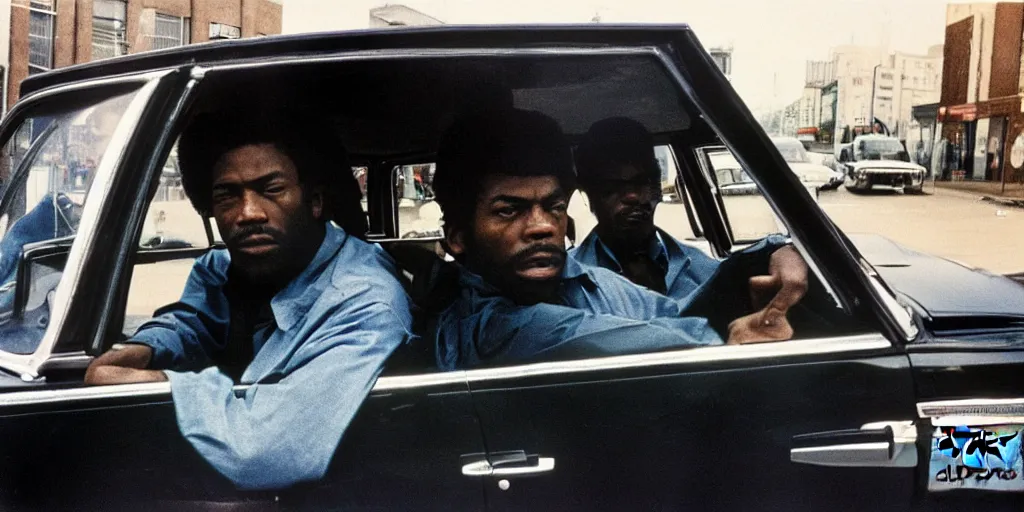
(509, 464)
(883, 444)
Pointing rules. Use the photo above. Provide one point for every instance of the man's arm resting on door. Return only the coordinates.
(123, 364)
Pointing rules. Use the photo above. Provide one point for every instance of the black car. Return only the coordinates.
(904, 387)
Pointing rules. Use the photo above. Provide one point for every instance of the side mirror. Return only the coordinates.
(39, 273)
(844, 155)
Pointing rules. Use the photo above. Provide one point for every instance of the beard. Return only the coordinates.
(294, 249)
(504, 272)
(627, 229)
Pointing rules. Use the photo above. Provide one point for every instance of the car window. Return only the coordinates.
(750, 216)
(48, 168)
(670, 215)
(171, 223)
(418, 215)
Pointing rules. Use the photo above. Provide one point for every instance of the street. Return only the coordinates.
(944, 223)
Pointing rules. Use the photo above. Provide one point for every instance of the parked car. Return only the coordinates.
(799, 160)
(880, 161)
(903, 388)
(732, 179)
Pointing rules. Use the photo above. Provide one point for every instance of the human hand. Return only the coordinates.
(768, 324)
(786, 282)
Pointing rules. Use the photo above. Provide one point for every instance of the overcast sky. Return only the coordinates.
(772, 39)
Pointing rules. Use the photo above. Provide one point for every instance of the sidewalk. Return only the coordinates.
(985, 191)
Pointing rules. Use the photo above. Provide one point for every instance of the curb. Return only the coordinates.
(1016, 203)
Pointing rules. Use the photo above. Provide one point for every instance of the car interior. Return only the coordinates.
(390, 116)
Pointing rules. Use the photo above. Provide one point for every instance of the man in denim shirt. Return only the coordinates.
(503, 182)
(299, 309)
(622, 180)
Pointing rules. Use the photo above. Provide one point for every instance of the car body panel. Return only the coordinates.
(122, 446)
(927, 280)
(682, 438)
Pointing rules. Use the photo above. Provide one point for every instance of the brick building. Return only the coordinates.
(47, 34)
(982, 84)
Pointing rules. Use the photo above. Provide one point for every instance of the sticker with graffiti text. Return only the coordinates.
(983, 458)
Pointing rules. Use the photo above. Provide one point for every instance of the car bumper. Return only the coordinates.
(895, 179)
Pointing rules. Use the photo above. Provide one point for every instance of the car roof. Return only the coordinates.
(445, 36)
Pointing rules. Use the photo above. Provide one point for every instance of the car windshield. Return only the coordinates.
(881, 149)
(792, 151)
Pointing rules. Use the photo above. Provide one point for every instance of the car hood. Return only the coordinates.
(811, 172)
(886, 164)
(941, 288)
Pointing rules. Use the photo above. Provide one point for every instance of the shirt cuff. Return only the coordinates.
(162, 343)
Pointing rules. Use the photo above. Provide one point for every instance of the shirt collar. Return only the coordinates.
(657, 250)
(291, 303)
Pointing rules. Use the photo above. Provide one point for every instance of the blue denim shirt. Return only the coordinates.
(334, 326)
(599, 313)
(686, 268)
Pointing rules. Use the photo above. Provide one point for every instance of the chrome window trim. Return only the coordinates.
(973, 412)
(27, 365)
(431, 53)
(84, 394)
(751, 352)
(384, 385)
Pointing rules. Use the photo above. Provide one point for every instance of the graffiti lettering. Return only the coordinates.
(973, 447)
(958, 473)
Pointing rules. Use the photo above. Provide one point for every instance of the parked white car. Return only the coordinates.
(880, 161)
(809, 172)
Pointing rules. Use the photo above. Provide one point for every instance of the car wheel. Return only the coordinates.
(913, 190)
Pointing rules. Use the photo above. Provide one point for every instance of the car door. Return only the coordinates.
(70, 447)
(817, 423)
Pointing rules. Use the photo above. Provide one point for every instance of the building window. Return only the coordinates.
(171, 31)
(40, 35)
(108, 28)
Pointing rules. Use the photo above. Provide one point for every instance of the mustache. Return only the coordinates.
(533, 250)
(247, 231)
(645, 209)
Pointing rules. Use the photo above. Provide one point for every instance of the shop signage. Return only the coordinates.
(967, 112)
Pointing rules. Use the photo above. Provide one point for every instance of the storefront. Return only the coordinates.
(976, 136)
(921, 136)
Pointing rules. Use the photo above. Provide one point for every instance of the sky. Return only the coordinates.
(771, 39)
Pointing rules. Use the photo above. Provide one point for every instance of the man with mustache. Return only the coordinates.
(299, 309)
(621, 178)
(503, 182)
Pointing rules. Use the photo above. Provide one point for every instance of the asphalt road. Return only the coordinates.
(945, 223)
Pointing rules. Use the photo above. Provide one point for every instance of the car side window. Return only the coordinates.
(48, 167)
(173, 236)
(670, 215)
(418, 215)
(749, 214)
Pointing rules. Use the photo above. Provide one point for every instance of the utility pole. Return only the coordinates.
(871, 118)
